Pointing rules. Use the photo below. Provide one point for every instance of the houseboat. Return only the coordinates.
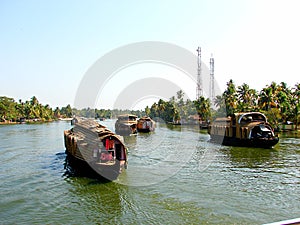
(126, 125)
(145, 124)
(90, 143)
(243, 129)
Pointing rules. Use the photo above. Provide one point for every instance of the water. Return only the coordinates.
(174, 176)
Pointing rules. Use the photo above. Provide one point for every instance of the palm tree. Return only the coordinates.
(230, 97)
(296, 104)
(219, 102)
(57, 112)
(154, 110)
(267, 98)
(268, 103)
(28, 110)
(34, 101)
(284, 101)
(203, 108)
(190, 107)
(247, 98)
(180, 95)
(147, 110)
(161, 106)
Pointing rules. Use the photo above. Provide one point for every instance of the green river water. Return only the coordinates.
(174, 176)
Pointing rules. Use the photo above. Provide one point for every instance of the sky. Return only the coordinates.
(47, 47)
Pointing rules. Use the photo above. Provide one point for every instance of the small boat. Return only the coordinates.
(145, 124)
(243, 129)
(126, 124)
(89, 142)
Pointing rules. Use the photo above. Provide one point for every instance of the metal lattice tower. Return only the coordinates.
(212, 79)
(199, 91)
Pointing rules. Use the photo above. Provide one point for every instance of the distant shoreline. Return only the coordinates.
(34, 121)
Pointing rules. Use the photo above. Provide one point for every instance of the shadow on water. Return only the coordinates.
(58, 161)
(187, 127)
(290, 134)
(100, 200)
(173, 127)
(130, 140)
(75, 168)
(93, 200)
(250, 157)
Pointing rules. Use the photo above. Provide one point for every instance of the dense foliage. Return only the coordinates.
(277, 101)
(105, 113)
(17, 111)
(179, 110)
(33, 110)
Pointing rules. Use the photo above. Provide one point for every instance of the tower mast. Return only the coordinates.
(199, 91)
(212, 79)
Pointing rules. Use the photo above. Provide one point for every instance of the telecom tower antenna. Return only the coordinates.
(212, 79)
(199, 91)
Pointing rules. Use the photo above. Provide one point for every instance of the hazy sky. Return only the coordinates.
(46, 47)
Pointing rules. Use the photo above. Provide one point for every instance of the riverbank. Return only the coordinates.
(32, 121)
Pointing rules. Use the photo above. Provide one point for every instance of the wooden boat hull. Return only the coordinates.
(146, 130)
(232, 141)
(125, 129)
(78, 167)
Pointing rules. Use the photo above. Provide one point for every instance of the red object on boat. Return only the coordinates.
(109, 144)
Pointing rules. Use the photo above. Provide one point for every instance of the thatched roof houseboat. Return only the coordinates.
(104, 151)
(243, 129)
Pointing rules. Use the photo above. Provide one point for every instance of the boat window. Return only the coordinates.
(263, 128)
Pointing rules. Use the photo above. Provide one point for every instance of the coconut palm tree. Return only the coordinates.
(230, 97)
(269, 102)
(154, 110)
(284, 98)
(296, 104)
(267, 98)
(219, 102)
(247, 98)
(203, 108)
(147, 111)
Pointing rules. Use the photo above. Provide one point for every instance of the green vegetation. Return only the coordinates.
(179, 110)
(29, 111)
(278, 102)
(105, 113)
(11, 111)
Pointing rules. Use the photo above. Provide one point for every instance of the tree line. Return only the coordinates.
(278, 102)
(33, 110)
(105, 113)
(12, 111)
